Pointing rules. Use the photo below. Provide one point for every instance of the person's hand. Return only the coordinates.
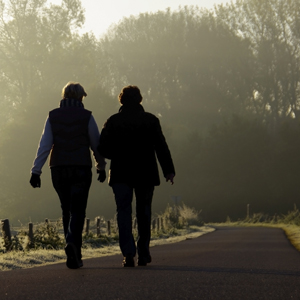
(35, 180)
(102, 175)
(170, 177)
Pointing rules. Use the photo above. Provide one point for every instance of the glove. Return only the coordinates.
(35, 180)
(102, 175)
(170, 177)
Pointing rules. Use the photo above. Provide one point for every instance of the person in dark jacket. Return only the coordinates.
(132, 139)
(69, 133)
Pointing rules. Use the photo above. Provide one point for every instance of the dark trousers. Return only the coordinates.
(72, 184)
(123, 197)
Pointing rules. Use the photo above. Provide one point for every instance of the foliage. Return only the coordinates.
(171, 215)
(93, 241)
(47, 236)
(178, 216)
(31, 34)
(291, 218)
(15, 244)
(189, 215)
(272, 28)
(225, 84)
(239, 162)
(188, 67)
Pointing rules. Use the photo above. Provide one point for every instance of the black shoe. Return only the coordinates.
(128, 261)
(143, 261)
(80, 263)
(73, 262)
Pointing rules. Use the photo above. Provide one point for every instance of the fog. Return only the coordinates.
(224, 83)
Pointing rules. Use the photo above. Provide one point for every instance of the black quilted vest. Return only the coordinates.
(71, 145)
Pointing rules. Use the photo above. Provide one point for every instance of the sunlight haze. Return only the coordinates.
(225, 92)
(99, 15)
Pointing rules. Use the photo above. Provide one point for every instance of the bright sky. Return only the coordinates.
(101, 14)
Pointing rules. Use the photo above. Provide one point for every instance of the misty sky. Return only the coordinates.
(101, 14)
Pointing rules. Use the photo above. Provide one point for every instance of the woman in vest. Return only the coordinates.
(70, 132)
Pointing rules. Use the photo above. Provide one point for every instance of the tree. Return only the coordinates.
(272, 27)
(40, 52)
(31, 34)
(190, 69)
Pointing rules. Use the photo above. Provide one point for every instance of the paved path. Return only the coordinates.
(230, 263)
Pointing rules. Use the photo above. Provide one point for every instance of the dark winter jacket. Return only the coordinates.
(132, 139)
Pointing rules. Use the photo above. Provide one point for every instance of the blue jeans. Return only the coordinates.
(123, 197)
(72, 184)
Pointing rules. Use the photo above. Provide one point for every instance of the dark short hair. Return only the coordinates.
(73, 90)
(130, 94)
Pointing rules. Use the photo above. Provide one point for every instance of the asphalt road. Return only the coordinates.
(230, 263)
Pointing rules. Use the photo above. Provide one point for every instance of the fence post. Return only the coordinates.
(87, 226)
(98, 226)
(162, 223)
(108, 228)
(115, 222)
(153, 224)
(157, 224)
(30, 234)
(6, 233)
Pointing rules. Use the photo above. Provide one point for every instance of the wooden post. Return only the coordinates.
(46, 221)
(30, 234)
(87, 226)
(153, 224)
(162, 223)
(115, 222)
(158, 224)
(6, 233)
(248, 211)
(98, 226)
(108, 228)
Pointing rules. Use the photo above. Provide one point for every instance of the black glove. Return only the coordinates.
(102, 175)
(35, 180)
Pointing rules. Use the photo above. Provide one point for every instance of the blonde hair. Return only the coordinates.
(73, 90)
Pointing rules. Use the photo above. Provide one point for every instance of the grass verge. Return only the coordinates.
(40, 257)
(291, 231)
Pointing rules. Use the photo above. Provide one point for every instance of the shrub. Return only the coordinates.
(178, 216)
(47, 236)
(189, 215)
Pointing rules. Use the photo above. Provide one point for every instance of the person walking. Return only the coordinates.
(69, 133)
(132, 139)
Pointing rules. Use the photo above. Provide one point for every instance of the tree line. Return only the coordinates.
(224, 82)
